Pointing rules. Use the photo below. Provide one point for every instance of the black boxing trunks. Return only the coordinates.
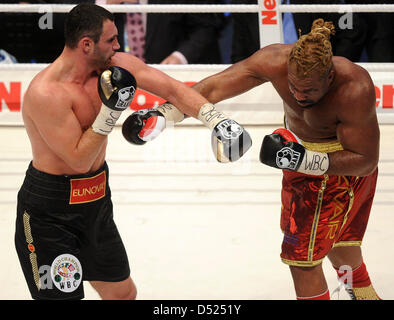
(65, 234)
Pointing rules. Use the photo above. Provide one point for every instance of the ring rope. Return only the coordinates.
(372, 67)
(178, 8)
(116, 8)
(339, 8)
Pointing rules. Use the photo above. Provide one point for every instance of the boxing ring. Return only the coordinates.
(194, 228)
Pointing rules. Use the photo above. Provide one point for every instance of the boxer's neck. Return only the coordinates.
(74, 66)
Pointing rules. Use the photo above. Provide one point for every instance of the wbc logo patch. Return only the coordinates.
(287, 158)
(66, 272)
(88, 189)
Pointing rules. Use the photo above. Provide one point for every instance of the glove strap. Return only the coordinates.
(209, 116)
(105, 120)
(314, 163)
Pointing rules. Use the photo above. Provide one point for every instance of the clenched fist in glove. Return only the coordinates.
(229, 139)
(146, 124)
(283, 150)
(116, 88)
(143, 125)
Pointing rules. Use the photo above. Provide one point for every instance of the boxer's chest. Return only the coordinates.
(87, 104)
(315, 123)
(310, 125)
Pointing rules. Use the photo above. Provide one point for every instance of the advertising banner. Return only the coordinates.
(261, 105)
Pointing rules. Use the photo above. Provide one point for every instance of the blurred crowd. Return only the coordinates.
(196, 38)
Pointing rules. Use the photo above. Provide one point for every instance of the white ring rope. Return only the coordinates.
(116, 8)
(178, 8)
(371, 67)
(341, 8)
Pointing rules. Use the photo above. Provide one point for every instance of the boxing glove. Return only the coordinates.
(143, 125)
(116, 87)
(229, 139)
(146, 124)
(283, 150)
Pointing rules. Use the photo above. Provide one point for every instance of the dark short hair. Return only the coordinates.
(85, 20)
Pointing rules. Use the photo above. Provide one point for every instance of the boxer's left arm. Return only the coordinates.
(357, 131)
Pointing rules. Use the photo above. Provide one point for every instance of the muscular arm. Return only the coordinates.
(51, 112)
(156, 82)
(244, 75)
(358, 132)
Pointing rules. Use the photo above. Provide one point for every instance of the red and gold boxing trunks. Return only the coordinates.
(321, 212)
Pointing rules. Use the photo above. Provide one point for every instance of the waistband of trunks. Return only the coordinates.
(327, 147)
(58, 187)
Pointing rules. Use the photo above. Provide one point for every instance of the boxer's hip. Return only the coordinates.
(318, 211)
(64, 191)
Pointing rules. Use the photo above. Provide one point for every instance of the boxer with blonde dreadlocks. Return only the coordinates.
(328, 152)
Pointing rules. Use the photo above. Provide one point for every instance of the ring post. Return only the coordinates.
(270, 22)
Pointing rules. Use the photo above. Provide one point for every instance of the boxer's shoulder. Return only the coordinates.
(44, 91)
(269, 62)
(276, 54)
(350, 72)
(46, 81)
(353, 83)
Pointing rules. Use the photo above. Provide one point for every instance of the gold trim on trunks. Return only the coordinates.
(296, 263)
(31, 248)
(347, 244)
(316, 218)
(326, 147)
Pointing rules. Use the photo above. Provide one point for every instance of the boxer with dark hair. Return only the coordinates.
(64, 211)
(328, 151)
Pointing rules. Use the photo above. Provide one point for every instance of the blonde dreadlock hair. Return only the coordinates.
(312, 52)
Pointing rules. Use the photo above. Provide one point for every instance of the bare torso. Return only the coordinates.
(81, 98)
